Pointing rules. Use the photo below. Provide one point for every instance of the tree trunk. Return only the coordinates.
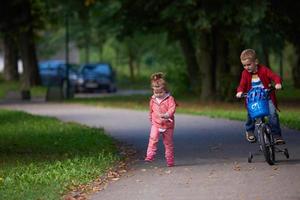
(87, 48)
(100, 50)
(137, 67)
(266, 56)
(28, 55)
(131, 65)
(281, 64)
(190, 59)
(204, 53)
(234, 50)
(10, 58)
(296, 69)
(222, 67)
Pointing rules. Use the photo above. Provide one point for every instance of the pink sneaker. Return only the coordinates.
(170, 164)
(148, 159)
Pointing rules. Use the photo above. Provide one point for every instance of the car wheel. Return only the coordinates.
(111, 89)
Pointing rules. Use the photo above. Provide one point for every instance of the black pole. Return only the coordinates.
(67, 87)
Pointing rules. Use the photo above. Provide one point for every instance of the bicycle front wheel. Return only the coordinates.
(266, 146)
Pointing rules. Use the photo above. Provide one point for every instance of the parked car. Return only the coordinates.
(96, 76)
(53, 73)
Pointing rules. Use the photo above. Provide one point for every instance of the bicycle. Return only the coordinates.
(258, 110)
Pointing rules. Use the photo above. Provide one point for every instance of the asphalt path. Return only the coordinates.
(210, 157)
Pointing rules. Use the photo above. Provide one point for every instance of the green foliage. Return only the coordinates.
(50, 42)
(42, 157)
(288, 93)
(178, 80)
(114, 30)
(227, 87)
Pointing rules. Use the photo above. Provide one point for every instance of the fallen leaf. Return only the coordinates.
(275, 168)
(69, 197)
(122, 171)
(236, 167)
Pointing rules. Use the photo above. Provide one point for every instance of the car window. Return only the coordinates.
(51, 65)
(100, 69)
(43, 65)
(103, 69)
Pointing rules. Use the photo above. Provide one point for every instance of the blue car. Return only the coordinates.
(53, 73)
(98, 76)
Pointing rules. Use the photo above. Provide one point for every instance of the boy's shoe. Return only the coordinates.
(250, 136)
(278, 140)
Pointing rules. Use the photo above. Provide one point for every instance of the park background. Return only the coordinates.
(196, 43)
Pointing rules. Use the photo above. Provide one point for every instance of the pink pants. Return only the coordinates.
(168, 143)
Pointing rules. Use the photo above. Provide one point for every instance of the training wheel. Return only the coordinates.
(286, 153)
(250, 156)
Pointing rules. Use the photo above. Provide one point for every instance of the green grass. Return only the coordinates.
(289, 115)
(42, 158)
(8, 86)
(38, 91)
(134, 101)
(289, 94)
(13, 86)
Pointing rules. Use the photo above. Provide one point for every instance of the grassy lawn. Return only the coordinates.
(42, 158)
(6, 87)
(289, 115)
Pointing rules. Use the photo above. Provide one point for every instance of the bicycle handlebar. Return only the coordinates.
(268, 91)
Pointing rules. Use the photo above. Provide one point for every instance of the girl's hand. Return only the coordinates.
(164, 116)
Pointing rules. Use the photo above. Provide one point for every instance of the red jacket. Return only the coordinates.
(167, 105)
(266, 75)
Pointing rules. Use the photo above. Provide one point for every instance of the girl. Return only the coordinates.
(162, 109)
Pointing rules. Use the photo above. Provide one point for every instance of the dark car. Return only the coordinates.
(53, 73)
(97, 76)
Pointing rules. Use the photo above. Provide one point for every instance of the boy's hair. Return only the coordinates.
(248, 54)
(158, 81)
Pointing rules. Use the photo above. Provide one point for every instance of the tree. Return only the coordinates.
(9, 34)
(290, 25)
(17, 22)
(10, 58)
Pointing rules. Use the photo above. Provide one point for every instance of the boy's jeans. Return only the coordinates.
(273, 121)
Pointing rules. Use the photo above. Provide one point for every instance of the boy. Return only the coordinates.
(257, 75)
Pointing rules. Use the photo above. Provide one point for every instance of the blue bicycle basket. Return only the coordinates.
(257, 103)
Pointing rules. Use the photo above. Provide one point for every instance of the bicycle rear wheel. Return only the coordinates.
(266, 145)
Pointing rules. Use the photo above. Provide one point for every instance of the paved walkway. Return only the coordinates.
(211, 158)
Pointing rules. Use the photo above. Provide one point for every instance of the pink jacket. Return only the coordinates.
(167, 105)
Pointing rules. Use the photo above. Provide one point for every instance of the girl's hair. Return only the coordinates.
(248, 54)
(158, 81)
